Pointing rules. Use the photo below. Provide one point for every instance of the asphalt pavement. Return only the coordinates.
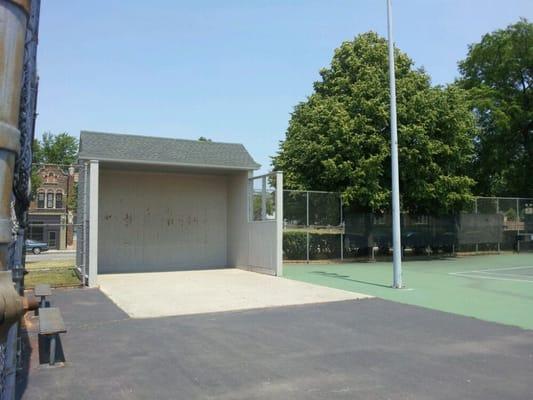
(364, 349)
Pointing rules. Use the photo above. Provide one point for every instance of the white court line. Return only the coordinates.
(492, 269)
(507, 274)
(472, 275)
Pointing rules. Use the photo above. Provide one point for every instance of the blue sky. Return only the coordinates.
(228, 70)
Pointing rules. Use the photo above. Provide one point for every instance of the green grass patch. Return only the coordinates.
(56, 273)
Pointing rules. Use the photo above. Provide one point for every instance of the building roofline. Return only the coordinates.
(248, 163)
(164, 163)
(158, 137)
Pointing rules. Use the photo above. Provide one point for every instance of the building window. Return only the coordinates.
(59, 200)
(37, 230)
(49, 200)
(40, 200)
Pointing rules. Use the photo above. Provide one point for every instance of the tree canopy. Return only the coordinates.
(55, 149)
(498, 73)
(339, 138)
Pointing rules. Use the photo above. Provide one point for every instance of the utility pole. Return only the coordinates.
(396, 233)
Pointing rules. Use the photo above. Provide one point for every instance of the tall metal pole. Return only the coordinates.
(396, 234)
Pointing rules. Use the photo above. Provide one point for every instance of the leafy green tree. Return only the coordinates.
(498, 73)
(60, 149)
(37, 151)
(339, 138)
(54, 149)
(72, 199)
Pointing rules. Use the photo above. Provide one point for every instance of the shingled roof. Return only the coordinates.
(156, 150)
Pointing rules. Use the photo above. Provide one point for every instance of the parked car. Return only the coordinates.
(36, 247)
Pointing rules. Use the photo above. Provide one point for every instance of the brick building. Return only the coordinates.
(50, 217)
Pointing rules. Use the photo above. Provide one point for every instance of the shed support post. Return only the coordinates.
(85, 224)
(93, 222)
(279, 223)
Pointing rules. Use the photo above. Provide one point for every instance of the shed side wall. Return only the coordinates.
(251, 245)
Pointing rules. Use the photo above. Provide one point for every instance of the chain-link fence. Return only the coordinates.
(313, 225)
(517, 211)
(318, 227)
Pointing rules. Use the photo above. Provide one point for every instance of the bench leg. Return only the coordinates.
(53, 342)
(42, 304)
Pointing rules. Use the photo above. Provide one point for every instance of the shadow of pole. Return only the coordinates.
(347, 278)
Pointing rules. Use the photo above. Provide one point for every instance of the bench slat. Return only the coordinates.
(51, 321)
(42, 289)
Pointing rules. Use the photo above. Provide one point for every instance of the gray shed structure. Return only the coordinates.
(161, 204)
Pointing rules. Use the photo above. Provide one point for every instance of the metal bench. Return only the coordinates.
(42, 290)
(50, 326)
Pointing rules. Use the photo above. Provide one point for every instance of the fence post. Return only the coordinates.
(342, 227)
(263, 198)
(250, 201)
(307, 227)
(475, 212)
(517, 215)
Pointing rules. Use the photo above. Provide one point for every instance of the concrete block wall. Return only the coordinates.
(161, 221)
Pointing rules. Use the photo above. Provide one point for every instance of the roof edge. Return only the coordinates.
(163, 163)
(160, 137)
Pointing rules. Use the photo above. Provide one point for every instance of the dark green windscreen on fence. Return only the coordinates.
(324, 209)
(311, 208)
(318, 228)
(295, 208)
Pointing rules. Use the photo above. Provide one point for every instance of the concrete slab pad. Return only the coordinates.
(157, 294)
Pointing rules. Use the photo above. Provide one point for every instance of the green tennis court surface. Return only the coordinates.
(496, 288)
